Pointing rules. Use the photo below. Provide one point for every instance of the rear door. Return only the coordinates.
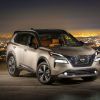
(18, 47)
(30, 55)
(21, 40)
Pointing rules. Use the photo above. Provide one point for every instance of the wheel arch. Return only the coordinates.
(43, 59)
(11, 54)
(51, 77)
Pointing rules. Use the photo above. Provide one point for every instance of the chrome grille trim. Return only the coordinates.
(81, 60)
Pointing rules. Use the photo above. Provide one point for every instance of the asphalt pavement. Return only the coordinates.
(27, 87)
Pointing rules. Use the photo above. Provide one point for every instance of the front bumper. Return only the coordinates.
(78, 73)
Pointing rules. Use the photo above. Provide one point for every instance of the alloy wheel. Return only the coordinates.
(44, 73)
(11, 65)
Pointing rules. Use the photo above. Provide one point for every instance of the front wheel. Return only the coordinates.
(91, 78)
(12, 69)
(44, 73)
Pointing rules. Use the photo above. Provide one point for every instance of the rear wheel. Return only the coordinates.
(44, 73)
(12, 69)
(91, 78)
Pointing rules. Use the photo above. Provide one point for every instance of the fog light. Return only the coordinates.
(65, 73)
(95, 72)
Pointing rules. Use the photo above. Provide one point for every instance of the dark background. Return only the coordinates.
(72, 15)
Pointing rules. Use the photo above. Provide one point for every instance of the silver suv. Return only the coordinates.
(51, 54)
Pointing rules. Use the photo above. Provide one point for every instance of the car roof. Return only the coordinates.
(39, 30)
(47, 30)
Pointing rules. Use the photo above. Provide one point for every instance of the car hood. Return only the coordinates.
(73, 51)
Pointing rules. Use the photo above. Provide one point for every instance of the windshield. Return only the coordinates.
(52, 39)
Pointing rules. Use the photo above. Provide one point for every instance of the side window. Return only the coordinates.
(33, 41)
(17, 38)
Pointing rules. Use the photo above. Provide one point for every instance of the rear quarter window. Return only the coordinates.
(17, 39)
(21, 39)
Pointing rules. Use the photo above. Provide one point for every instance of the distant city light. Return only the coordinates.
(85, 34)
(5, 36)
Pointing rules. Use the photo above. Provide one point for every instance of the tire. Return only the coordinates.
(91, 78)
(44, 73)
(11, 64)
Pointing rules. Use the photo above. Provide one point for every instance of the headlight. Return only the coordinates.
(97, 59)
(59, 58)
(55, 54)
(97, 52)
(63, 61)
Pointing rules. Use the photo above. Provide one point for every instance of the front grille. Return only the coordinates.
(81, 72)
(81, 60)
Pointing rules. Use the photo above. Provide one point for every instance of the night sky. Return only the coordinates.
(63, 14)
